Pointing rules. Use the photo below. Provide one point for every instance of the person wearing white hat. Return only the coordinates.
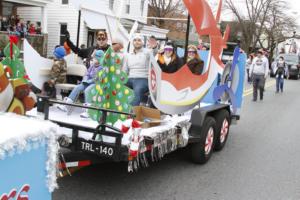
(136, 65)
(117, 45)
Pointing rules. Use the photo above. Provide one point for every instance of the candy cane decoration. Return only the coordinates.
(135, 128)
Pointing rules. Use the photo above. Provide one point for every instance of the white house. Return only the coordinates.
(63, 15)
(8, 8)
(291, 45)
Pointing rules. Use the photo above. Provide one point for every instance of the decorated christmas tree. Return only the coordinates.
(12, 61)
(15, 96)
(110, 91)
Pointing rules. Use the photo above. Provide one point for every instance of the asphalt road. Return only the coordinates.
(261, 160)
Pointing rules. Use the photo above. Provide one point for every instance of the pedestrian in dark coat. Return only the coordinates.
(280, 70)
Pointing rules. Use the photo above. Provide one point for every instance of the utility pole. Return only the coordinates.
(187, 37)
(78, 28)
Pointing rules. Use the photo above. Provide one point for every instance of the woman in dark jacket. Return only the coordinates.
(168, 61)
(194, 62)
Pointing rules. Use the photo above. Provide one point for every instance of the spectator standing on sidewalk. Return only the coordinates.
(4, 24)
(38, 28)
(31, 29)
(280, 70)
(266, 58)
(259, 72)
(248, 65)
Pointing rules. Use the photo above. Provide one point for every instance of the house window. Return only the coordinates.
(64, 2)
(128, 7)
(142, 6)
(62, 36)
(111, 4)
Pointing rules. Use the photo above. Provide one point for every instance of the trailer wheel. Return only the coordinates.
(201, 151)
(222, 129)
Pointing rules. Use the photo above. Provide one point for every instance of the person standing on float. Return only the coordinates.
(88, 53)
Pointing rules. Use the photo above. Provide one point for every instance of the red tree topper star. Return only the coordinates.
(13, 40)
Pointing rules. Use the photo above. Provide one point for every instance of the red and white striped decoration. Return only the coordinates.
(135, 128)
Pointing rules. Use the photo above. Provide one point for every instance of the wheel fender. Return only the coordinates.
(197, 119)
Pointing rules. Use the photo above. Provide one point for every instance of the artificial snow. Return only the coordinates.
(17, 133)
(74, 118)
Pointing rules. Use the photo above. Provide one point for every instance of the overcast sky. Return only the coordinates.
(294, 4)
(295, 7)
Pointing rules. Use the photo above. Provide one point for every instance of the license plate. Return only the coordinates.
(96, 148)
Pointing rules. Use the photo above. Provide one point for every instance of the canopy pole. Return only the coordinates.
(187, 37)
(78, 28)
(109, 31)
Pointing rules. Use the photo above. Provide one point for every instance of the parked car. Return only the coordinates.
(293, 62)
(228, 52)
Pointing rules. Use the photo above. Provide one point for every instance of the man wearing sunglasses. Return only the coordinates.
(88, 52)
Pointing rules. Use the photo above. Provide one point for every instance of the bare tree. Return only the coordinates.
(251, 20)
(165, 9)
(278, 25)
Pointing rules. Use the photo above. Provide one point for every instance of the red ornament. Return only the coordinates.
(135, 124)
(133, 153)
(107, 96)
(8, 71)
(26, 77)
(114, 92)
(124, 129)
(118, 61)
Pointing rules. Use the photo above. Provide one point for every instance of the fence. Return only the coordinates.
(38, 42)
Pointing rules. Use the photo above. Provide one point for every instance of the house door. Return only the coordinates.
(90, 39)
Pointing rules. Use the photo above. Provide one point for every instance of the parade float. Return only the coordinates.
(28, 146)
(193, 111)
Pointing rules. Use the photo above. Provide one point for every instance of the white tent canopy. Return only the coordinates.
(94, 20)
(97, 18)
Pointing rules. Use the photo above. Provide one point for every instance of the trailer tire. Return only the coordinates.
(222, 129)
(202, 150)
